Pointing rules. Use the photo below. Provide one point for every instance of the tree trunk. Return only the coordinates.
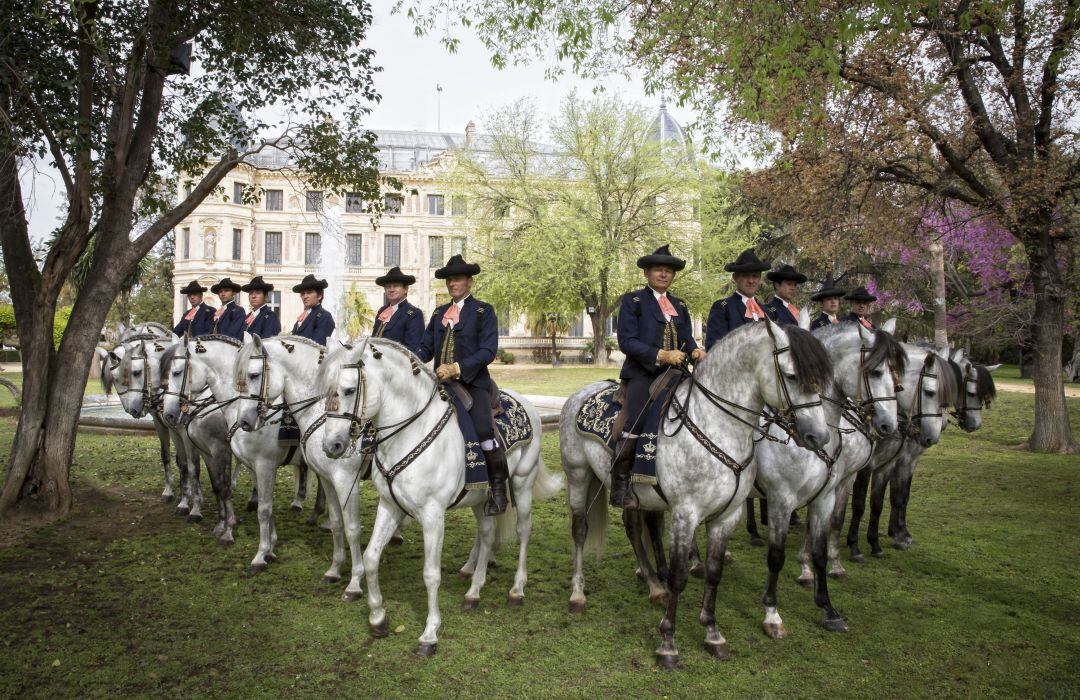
(600, 353)
(937, 274)
(1049, 262)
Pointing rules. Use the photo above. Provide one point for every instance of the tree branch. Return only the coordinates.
(1059, 47)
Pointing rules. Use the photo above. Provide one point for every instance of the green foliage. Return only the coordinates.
(8, 328)
(358, 314)
(505, 356)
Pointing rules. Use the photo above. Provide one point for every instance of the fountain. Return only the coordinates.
(331, 266)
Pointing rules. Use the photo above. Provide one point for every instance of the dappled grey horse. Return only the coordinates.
(704, 456)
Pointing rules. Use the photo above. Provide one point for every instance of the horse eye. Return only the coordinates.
(349, 391)
(876, 374)
(930, 392)
(253, 375)
(177, 372)
(136, 372)
(791, 376)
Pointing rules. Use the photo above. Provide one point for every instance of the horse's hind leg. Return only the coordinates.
(221, 478)
(858, 507)
(163, 439)
(433, 522)
(682, 529)
(387, 519)
(751, 525)
(634, 524)
(337, 532)
(485, 539)
(320, 502)
(819, 516)
(717, 532)
(836, 526)
(194, 472)
(778, 528)
(300, 470)
(899, 496)
(264, 483)
(654, 528)
(183, 465)
(524, 496)
(347, 489)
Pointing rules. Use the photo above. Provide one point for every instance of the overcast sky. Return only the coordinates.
(412, 68)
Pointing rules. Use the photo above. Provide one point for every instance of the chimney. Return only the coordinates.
(470, 129)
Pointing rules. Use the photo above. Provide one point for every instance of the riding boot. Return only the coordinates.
(498, 473)
(621, 493)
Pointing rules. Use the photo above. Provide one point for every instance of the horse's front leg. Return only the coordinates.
(836, 526)
(819, 517)
(899, 495)
(300, 470)
(433, 521)
(877, 505)
(634, 524)
(858, 507)
(751, 525)
(224, 482)
(485, 539)
(337, 533)
(163, 439)
(387, 519)
(683, 524)
(195, 473)
(264, 486)
(184, 456)
(718, 532)
(346, 487)
(779, 517)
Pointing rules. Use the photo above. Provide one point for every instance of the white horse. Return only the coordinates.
(420, 460)
(862, 399)
(704, 456)
(927, 387)
(210, 362)
(109, 361)
(133, 370)
(287, 366)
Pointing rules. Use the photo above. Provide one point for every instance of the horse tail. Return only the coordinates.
(505, 527)
(547, 482)
(596, 517)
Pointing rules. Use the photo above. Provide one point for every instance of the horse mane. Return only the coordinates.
(326, 380)
(217, 337)
(166, 361)
(984, 385)
(950, 381)
(813, 368)
(887, 349)
(247, 351)
(106, 373)
(151, 330)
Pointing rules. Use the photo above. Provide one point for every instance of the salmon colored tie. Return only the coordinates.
(386, 313)
(667, 307)
(301, 317)
(865, 323)
(793, 309)
(218, 313)
(191, 314)
(250, 318)
(451, 314)
(835, 319)
(753, 310)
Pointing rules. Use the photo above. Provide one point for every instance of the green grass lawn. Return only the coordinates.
(124, 598)
(552, 382)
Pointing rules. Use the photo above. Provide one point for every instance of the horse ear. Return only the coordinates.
(257, 341)
(140, 350)
(991, 368)
(866, 334)
(120, 330)
(928, 361)
(943, 353)
(957, 355)
(247, 338)
(889, 326)
(804, 319)
(334, 344)
(101, 353)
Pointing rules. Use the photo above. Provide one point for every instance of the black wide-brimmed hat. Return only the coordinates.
(785, 273)
(257, 285)
(395, 275)
(661, 256)
(827, 291)
(310, 282)
(747, 262)
(225, 283)
(860, 294)
(455, 266)
(193, 287)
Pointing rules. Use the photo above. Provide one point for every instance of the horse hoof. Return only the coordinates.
(878, 553)
(382, 629)
(839, 575)
(698, 570)
(668, 662)
(774, 630)
(182, 512)
(756, 541)
(397, 541)
(577, 607)
(805, 582)
(470, 604)
(327, 578)
(252, 506)
(902, 545)
(857, 558)
(464, 575)
(352, 596)
(729, 558)
(227, 543)
(257, 568)
(194, 518)
(515, 601)
(295, 507)
(719, 652)
(837, 625)
(660, 599)
(425, 650)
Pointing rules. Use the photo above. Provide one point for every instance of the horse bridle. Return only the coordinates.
(913, 422)
(971, 388)
(787, 414)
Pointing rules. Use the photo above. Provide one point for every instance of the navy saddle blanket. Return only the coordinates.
(512, 425)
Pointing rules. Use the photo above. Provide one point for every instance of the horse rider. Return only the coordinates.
(654, 332)
(741, 307)
(199, 318)
(315, 322)
(859, 301)
(462, 338)
(829, 299)
(786, 280)
(229, 319)
(262, 321)
(398, 319)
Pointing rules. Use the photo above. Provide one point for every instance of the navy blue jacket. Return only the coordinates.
(476, 340)
(778, 311)
(318, 325)
(725, 316)
(641, 332)
(822, 319)
(201, 324)
(231, 322)
(406, 326)
(265, 324)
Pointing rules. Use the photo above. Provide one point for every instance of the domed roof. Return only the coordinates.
(665, 129)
